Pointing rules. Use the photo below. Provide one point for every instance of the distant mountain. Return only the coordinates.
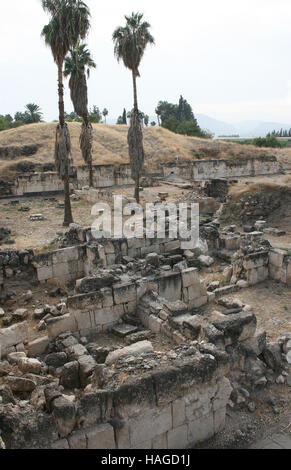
(215, 126)
(243, 128)
(259, 128)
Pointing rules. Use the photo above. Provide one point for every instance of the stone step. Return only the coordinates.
(124, 330)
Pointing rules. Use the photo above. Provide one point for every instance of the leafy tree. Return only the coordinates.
(146, 120)
(105, 113)
(179, 118)
(124, 117)
(120, 120)
(95, 115)
(8, 118)
(153, 124)
(268, 141)
(130, 43)
(69, 24)
(77, 66)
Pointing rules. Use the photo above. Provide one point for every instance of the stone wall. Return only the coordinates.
(176, 416)
(37, 183)
(207, 169)
(16, 266)
(104, 176)
(99, 311)
(280, 266)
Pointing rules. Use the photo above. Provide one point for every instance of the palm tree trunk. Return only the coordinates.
(135, 109)
(61, 96)
(135, 106)
(91, 185)
(68, 217)
(136, 193)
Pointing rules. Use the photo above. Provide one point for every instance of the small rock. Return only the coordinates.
(251, 406)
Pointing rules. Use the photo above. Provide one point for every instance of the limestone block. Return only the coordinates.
(224, 390)
(65, 255)
(276, 257)
(170, 286)
(219, 419)
(201, 429)
(60, 445)
(124, 293)
(101, 437)
(61, 271)
(150, 424)
(155, 324)
(107, 297)
(12, 336)
(177, 437)
(44, 273)
(172, 246)
(178, 412)
(190, 277)
(160, 442)
(133, 350)
(58, 325)
(197, 303)
(77, 440)
(83, 319)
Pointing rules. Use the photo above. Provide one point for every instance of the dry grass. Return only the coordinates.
(260, 186)
(110, 145)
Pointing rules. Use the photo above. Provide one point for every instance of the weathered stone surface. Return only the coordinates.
(64, 413)
(101, 437)
(273, 356)
(26, 364)
(58, 325)
(237, 327)
(87, 367)
(37, 347)
(255, 345)
(69, 377)
(20, 384)
(56, 359)
(133, 350)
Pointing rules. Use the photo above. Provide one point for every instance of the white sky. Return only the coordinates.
(229, 58)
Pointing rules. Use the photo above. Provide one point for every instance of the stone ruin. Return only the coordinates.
(136, 351)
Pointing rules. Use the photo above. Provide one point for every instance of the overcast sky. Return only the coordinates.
(229, 58)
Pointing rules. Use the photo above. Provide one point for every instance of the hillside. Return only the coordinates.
(110, 146)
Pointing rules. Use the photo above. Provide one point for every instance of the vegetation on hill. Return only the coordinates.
(31, 114)
(179, 118)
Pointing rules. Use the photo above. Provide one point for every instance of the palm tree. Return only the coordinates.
(130, 43)
(34, 112)
(77, 66)
(69, 23)
(105, 113)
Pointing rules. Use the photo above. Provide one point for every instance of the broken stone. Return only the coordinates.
(153, 259)
(26, 364)
(20, 314)
(36, 217)
(69, 377)
(135, 350)
(20, 384)
(206, 261)
(272, 356)
(124, 330)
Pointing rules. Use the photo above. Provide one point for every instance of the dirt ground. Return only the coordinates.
(39, 234)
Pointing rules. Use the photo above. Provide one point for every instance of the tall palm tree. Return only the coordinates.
(105, 113)
(77, 66)
(130, 43)
(69, 23)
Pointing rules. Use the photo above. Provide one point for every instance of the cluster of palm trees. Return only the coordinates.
(68, 26)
